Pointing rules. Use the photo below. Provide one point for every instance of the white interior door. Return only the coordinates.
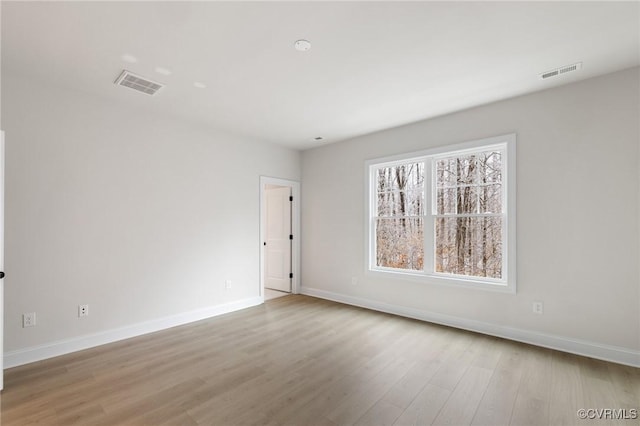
(1, 258)
(278, 240)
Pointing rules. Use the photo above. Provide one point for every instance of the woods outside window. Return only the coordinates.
(446, 214)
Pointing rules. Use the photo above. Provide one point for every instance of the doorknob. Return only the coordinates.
(1, 275)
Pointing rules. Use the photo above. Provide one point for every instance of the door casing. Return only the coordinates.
(295, 226)
(1, 258)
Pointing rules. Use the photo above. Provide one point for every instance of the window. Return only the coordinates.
(446, 215)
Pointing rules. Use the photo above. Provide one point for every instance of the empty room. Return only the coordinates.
(320, 213)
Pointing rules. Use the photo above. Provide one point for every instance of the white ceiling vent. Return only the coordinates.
(136, 82)
(562, 70)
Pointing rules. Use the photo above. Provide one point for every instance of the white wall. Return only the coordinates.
(140, 216)
(578, 191)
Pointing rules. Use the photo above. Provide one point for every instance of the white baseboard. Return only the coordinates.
(49, 350)
(615, 354)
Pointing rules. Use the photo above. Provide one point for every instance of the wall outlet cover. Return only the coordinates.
(29, 319)
(83, 310)
(538, 308)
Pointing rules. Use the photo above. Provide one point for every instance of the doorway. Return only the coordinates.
(279, 237)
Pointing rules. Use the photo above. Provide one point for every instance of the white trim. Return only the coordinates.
(441, 279)
(601, 351)
(2, 157)
(62, 347)
(295, 224)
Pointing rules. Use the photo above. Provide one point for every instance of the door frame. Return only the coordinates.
(295, 228)
(1, 259)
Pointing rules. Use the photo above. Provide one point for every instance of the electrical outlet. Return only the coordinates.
(83, 310)
(227, 284)
(538, 308)
(28, 319)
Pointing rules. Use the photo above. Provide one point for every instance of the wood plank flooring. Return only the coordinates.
(299, 360)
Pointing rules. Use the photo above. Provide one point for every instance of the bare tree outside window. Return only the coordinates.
(467, 211)
(400, 221)
(468, 220)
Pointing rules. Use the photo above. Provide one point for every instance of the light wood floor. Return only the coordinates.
(298, 360)
(274, 294)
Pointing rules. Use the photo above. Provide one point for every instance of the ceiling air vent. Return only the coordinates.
(562, 70)
(135, 82)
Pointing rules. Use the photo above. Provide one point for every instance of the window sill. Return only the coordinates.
(443, 280)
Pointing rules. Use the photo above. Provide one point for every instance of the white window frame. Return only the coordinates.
(507, 284)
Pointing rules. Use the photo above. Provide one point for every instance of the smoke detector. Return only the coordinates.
(561, 70)
(136, 82)
(302, 45)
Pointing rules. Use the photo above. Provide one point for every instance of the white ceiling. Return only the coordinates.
(372, 65)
